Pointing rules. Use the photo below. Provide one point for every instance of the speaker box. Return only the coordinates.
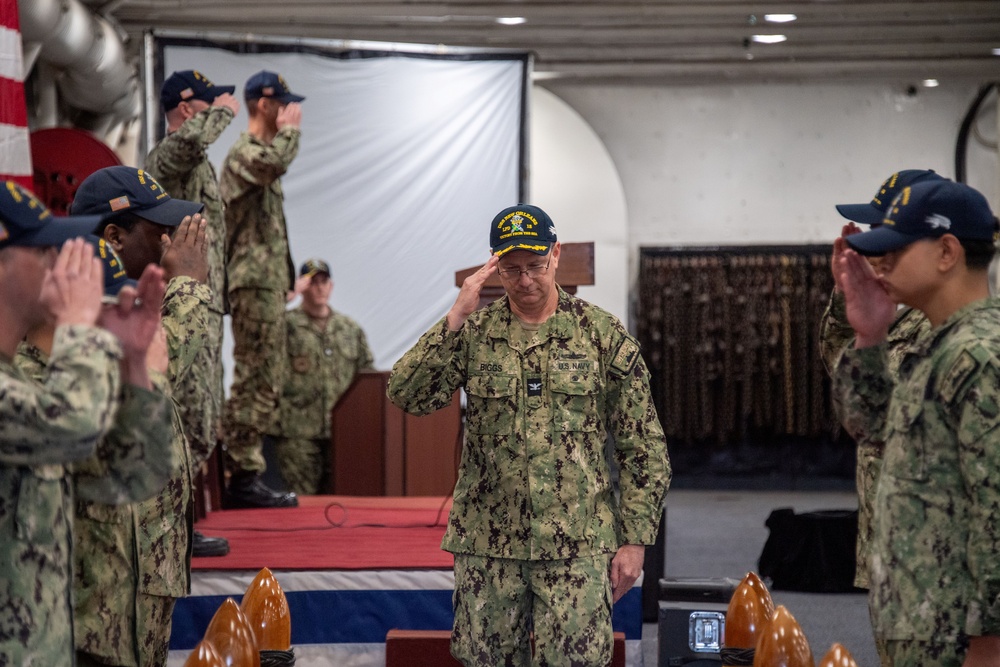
(692, 620)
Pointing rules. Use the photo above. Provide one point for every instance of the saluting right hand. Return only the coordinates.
(839, 246)
(290, 116)
(227, 100)
(468, 296)
(73, 287)
(186, 254)
(870, 309)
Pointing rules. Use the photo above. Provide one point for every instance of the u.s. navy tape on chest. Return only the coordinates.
(625, 357)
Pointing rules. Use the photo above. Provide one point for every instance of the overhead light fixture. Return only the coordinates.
(930, 83)
(780, 18)
(996, 52)
(511, 20)
(769, 39)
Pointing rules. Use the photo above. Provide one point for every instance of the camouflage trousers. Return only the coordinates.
(911, 653)
(258, 369)
(499, 602)
(304, 463)
(866, 478)
(153, 629)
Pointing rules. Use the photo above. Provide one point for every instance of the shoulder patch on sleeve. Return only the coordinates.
(955, 377)
(626, 356)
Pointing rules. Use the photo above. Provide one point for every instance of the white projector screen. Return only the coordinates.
(405, 159)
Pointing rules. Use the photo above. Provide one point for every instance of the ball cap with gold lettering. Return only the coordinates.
(269, 84)
(873, 212)
(115, 277)
(522, 227)
(188, 85)
(313, 266)
(115, 190)
(26, 222)
(929, 210)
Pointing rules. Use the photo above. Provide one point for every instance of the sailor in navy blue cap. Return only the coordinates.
(937, 503)
(259, 273)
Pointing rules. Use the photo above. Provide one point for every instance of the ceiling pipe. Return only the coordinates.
(95, 80)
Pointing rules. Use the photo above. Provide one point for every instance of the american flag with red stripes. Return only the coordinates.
(15, 152)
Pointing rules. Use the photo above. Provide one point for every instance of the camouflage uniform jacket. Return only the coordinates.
(122, 550)
(836, 335)
(133, 462)
(534, 482)
(180, 163)
(935, 574)
(43, 427)
(322, 365)
(257, 236)
(144, 547)
(187, 319)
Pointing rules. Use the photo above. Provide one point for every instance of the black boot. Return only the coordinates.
(202, 546)
(247, 490)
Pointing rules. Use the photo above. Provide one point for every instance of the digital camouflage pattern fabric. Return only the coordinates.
(534, 481)
(180, 163)
(576, 597)
(259, 363)
(259, 265)
(134, 459)
(130, 557)
(836, 335)
(257, 235)
(324, 356)
(133, 561)
(133, 462)
(934, 570)
(44, 427)
(194, 339)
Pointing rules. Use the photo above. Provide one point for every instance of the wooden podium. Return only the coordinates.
(379, 450)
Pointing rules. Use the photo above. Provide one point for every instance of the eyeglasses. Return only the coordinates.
(531, 271)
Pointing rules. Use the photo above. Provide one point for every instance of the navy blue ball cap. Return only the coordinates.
(25, 221)
(929, 209)
(189, 85)
(269, 84)
(522, 227)
(873, 212)
(115, 190)
(313, 266)
(115, 277)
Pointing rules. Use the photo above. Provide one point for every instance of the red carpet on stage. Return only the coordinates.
(332, 533)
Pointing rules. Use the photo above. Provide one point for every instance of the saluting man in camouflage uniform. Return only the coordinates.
(326, 349)
(541, 540)
(135, 560)
(836, 335)
(260, 273)
(47, 424)
(935, 577)
(197, 112)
